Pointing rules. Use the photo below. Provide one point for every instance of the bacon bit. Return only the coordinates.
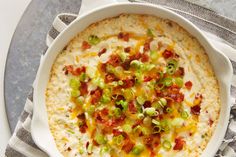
(132, 107)
(85, 45)
(136, 56)
(196, 109)
(127, 49)
(68, 149)
(83, 88)
(128, 83)
(147, 104)
(110, 78)
(104, 112)
(103, 67)
(211, 122)
(114, 60)
(116, 132)
(148, 141)
(152, 154)
(147, 78)
(167, 54)
(188, 85)
(179, 143)
(95, 143)
(146, 46)
(87, 144)
(68, 69)
(144, 57)
(124, 36)
(104, 50)
(138, 122)
(96, 95)
(126, 65)
(79, 70)
(179, 72)
(128, 145)
(83, 127)
(81, 116)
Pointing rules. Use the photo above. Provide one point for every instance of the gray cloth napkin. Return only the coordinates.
(21, 143)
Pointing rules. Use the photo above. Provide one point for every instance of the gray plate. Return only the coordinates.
(27, 44)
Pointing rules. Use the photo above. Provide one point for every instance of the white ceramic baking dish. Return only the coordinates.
(221, 64)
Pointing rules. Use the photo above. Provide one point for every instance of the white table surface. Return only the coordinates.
(10, 13)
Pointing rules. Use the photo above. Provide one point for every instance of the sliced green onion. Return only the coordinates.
(160, 103)
(93, 39)
(114, 83)
(117, 112)
(138, 149)
(123, 56)
(110, 68)
(150, 111)
(83, 77)
(99, 82)
(169, 110)
(177, 122)
(105, 99)
(140, 100)
(179, 81)
(123, 103)
(127, 128)
(136, 64)
(163, 101)
(184, 114)
(155, 122)
(104, 150)
(167, 82)
(90, 148)
(154, 55)
(80, 100)
(170, 69)
(100, 139)
(75, 93)
(118, 140)
(74, 83)
(148, 67)
(140, 116)
(120, 82)
(174, 63)
(165, 125)
(166, 145)
(150, 32)
(81, 151)
(157, 129)
(91, 109)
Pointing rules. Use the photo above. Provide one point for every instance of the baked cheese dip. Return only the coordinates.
(132, 85)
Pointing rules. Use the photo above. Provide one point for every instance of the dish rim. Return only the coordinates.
(38, 120)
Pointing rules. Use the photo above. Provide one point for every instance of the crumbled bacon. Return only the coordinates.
(124, 36)
(147, 78)
(85, 45)
(146, 46)
(179, 72)
(127, 49)
(147, 104)
(83, 88)
(196, 109)
(188, 85)
(210, 122)
(144, 57)
(128, 83)
(76, 72)
(114, 60)
(103, 67)
(179, 143)
(116, 132)
(68, 69)
(132, 107)
(102, 51)
(83, 127)
(96, 95)
(167, 54)
(128, 145)
(126, 65)
(136, 56)
(110, 78)
(79, 70)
